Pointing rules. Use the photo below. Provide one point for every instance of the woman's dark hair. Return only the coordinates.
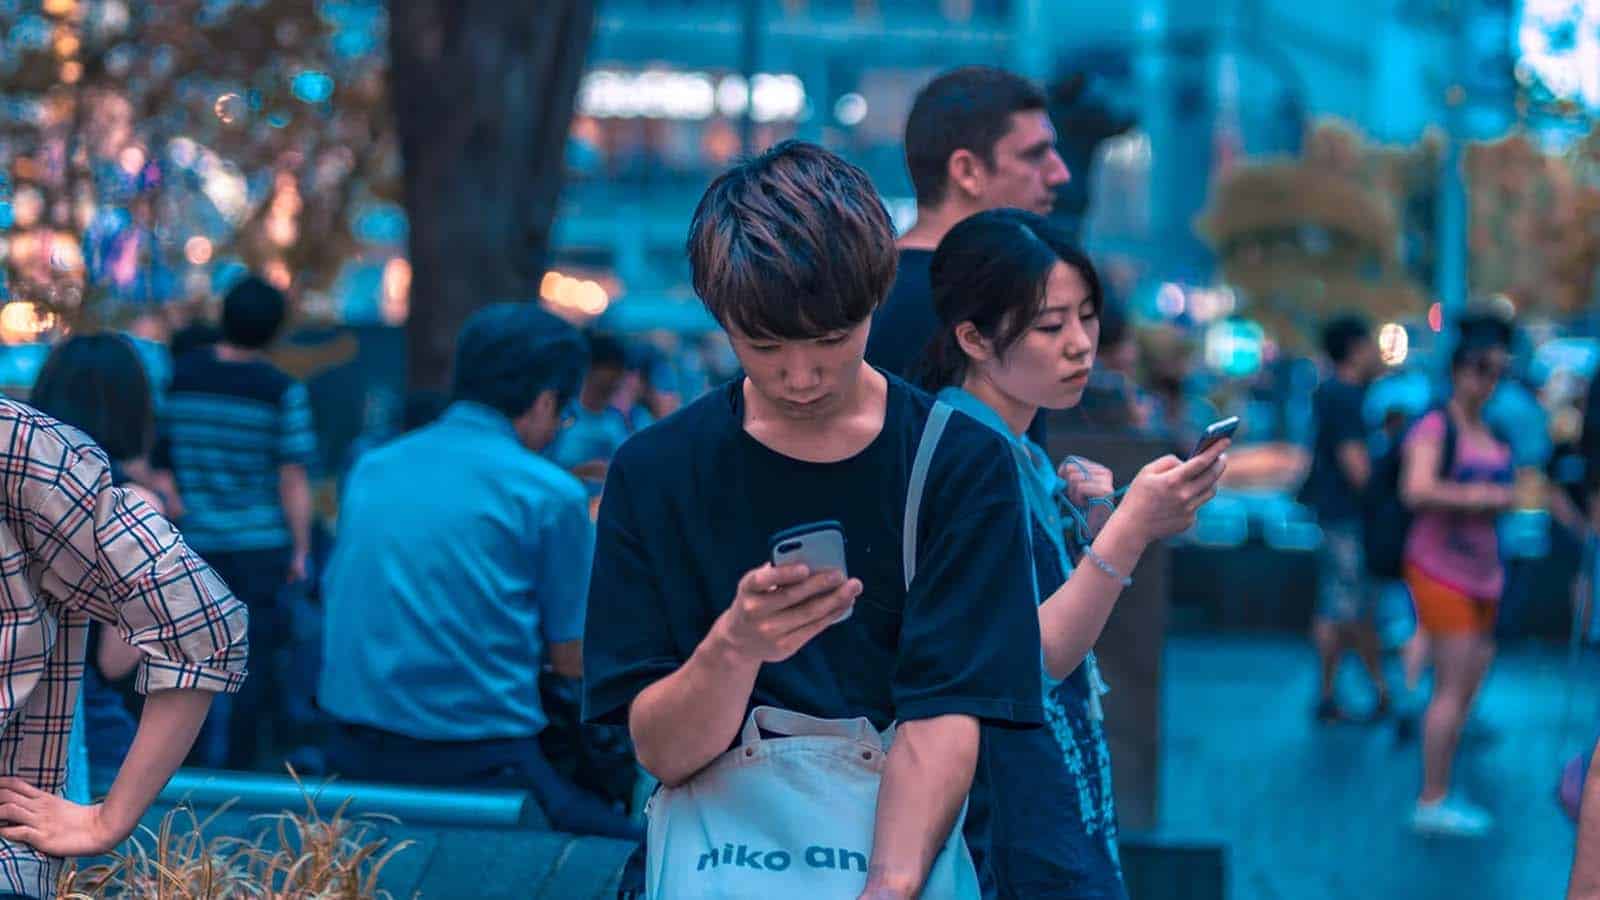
(992, 270)
(1477, 334)
(97, 384)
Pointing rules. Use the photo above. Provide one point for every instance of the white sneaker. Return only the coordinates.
(1451, 817)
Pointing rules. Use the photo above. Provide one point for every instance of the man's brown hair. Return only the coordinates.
(793, 244)
(968, 108)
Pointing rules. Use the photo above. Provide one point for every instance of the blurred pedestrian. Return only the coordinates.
(236, 434)
(1341, 466)
(649, 389)
(459, 572)
(594, 428)
(1178, 412)
(97, 384)
(1452, 560)
(1113, 399)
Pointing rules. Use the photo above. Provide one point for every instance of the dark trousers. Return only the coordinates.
(233, 733)
(359, 753)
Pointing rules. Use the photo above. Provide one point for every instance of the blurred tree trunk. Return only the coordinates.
(483, 92)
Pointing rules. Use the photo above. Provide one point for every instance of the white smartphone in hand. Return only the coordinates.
(819, 546)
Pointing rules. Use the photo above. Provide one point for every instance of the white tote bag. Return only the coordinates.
(788, 814)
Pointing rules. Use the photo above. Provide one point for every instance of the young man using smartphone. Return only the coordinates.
(689, 626)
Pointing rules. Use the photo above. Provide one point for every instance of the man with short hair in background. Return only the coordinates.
(460, 570)
(1341, 465)
(236, 435)
(977, 138)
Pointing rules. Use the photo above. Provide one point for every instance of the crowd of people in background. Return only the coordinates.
(471, 625)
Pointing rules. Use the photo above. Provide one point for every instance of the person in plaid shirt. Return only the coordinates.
(74, 548)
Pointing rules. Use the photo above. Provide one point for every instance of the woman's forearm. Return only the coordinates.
(167, 729)
(1071, 620)
(1449, 496)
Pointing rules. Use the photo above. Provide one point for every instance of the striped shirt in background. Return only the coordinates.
(74, 548)
(226, 427)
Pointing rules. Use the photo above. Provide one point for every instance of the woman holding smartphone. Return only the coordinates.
(1019, 310)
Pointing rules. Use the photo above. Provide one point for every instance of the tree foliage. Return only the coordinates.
(152, 148)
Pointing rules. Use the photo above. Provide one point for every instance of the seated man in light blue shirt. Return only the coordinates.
(460, 568)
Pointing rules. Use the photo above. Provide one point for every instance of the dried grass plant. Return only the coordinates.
(300, 856)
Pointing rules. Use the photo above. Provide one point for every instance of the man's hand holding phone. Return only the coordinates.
(778, 610)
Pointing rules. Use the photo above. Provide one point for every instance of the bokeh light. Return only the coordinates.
(21, 322)
(197, 250)
(850, 109)
(229, 108)
(1394, 344)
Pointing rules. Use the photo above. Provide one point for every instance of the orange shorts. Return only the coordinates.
(1441, 609)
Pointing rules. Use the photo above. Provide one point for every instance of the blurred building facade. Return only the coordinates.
(1152, 99)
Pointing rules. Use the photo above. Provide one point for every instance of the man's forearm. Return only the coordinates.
(167, 729)
(682, 722)
(925, 781)
(294, 492)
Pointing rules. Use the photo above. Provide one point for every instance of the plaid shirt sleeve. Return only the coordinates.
(106, 552)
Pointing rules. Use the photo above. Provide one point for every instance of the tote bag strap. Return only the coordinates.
(938, 417)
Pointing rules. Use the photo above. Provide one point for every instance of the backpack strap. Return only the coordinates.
(1447, 449)
(938, 417)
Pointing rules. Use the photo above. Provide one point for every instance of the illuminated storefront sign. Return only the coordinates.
(692, 96)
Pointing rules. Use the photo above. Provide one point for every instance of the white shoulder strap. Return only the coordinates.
(938, 417)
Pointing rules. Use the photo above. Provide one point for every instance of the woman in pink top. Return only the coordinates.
(1452, 561)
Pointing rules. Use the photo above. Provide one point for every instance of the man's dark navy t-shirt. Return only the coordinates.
(906, 323)
(689, 507)
(1336, 408)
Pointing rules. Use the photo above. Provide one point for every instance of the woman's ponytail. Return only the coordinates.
(943, 362)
